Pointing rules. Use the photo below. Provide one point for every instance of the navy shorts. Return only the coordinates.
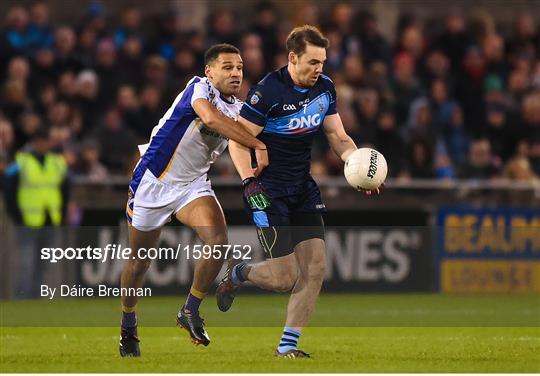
(294, 215)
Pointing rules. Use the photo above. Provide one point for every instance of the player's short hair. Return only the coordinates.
(213, 52)
(301, 36)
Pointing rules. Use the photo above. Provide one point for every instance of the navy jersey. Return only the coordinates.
(291, 117)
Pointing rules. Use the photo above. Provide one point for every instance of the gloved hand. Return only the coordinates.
(255, 195)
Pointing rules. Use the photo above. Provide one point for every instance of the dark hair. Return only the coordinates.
(301, 36)
(213, 52)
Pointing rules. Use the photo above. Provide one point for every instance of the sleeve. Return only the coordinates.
(333, 98)
(257, 105)
(200, 91)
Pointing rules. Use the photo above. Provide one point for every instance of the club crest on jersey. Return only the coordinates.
(321, 105)
(255, 98)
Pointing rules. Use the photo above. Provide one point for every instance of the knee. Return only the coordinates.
(316, 269)
(140, 266)
(216, 241)
(216, 237)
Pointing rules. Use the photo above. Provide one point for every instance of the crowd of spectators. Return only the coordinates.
(459, 102)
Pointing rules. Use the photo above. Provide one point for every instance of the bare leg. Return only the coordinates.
(133, 276)
(135, 268)
(204, 215)
(311, 257)
(279, 274)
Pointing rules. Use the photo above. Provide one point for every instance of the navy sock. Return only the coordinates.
(129, 324)
(289, 340)
(129, 319)
(192, 303)
(239, 273)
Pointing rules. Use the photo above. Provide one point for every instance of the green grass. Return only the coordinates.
(350, 333)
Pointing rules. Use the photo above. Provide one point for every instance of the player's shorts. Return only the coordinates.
(151, 202)
(294, 215)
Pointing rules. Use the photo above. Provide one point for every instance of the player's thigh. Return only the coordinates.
(205, 216)
(306, 226)
(151, 202)
(275, 241)
(140, 241)
(273, 228)
(311, 258)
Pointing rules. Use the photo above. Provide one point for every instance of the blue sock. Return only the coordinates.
(129, 319)
(289, 340)
(129, 324)
(192, 303)
(237, 273)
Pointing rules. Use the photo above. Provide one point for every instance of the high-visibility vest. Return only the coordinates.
(39, 191)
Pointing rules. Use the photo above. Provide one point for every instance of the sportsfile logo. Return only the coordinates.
(372, 165)
(118, 252)
(305, 122)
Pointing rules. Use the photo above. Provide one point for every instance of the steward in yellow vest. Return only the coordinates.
(36, 185)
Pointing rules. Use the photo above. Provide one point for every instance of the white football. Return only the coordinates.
(365, 169)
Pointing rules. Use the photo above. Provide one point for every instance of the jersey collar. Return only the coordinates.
(221, 96)
(224, 99)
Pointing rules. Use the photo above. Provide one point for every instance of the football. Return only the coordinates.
(365, 169)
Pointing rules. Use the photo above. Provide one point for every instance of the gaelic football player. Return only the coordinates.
(171, 179)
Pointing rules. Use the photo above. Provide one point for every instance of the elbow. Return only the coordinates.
(209, 120)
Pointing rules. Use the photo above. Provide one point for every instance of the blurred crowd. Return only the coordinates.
(453, 100)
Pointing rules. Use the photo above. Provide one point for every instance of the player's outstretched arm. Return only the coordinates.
(241, 158)
(254, 192)
(339, 140)
(241, 155)
(224, 125)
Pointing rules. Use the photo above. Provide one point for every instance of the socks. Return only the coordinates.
(289, 340)
(129, 324)
(239, 273)
(194, 300)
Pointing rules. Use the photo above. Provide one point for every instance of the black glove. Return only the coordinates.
(255, 195)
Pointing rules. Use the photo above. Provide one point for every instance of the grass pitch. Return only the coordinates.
(350, 333)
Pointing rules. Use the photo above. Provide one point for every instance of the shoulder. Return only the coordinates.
(60, 160)
(197, 80)
(272, 82)
(268, 91)
(273, 77)
(199, 84)
(200, 87)
(326, 81)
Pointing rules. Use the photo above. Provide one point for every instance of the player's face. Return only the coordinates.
(226, 73)
(308, 66)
